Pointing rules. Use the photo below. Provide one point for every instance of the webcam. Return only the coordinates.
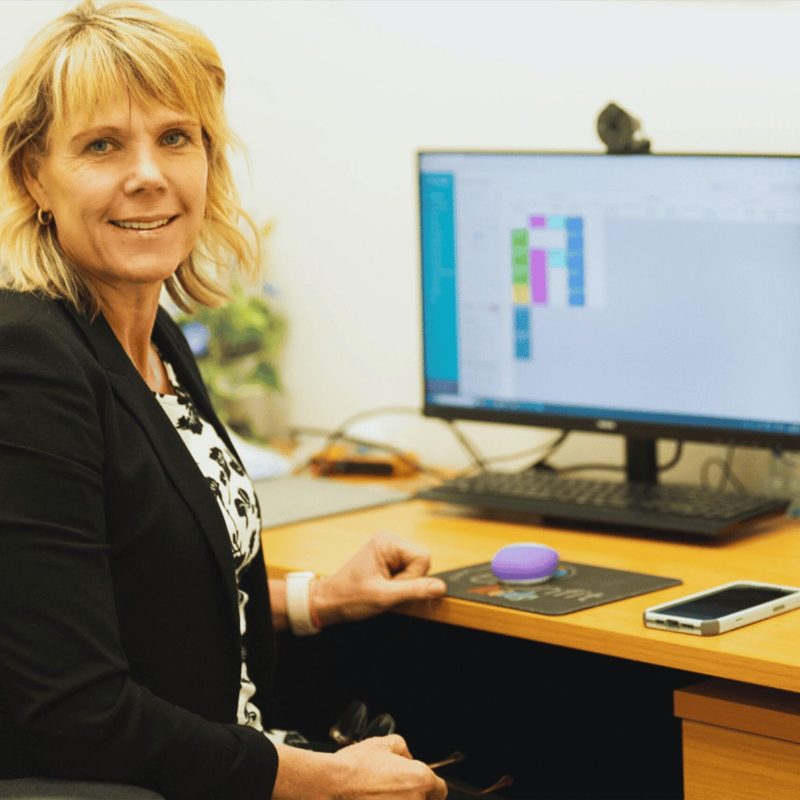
(620, 132)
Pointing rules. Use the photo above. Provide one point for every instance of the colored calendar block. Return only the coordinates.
(521, 294)
(539, 276)
(575, 260)
(519, 237)
(574, 224)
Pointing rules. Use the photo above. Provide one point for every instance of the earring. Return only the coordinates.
(44, 217)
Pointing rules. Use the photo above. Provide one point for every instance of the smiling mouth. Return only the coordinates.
(142, 225)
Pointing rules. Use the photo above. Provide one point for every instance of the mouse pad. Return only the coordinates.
(572, 587)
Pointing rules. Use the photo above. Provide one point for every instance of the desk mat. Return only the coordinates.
(572, 588)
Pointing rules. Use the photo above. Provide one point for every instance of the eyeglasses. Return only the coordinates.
(454, 758)
(354, 725)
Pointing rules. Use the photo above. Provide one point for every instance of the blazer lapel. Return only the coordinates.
(178, 463)
(172, 344)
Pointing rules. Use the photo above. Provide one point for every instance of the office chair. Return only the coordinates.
(50, 789)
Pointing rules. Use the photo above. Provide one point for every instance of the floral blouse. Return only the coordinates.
(237, 501)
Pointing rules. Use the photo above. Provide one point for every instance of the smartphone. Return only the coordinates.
(723, 608)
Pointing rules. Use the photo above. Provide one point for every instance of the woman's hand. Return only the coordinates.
(380, 768)
(385, 572)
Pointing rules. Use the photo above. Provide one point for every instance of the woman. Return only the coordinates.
(136, 637)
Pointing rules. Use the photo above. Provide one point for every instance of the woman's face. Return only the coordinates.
(127, 190)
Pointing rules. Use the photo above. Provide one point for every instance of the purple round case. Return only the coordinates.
(524, 563)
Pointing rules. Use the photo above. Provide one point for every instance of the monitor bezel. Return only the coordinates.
(593, 424)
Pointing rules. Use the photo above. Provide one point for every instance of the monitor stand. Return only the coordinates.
(640, 460)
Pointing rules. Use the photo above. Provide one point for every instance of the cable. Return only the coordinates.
(705, 468)
(359, 442)
(676, 457)
(341, 433)
(726, 471)
(728, 476)
(478, 462)
(550, 449)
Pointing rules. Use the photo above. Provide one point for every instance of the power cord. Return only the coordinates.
(359, 442)
(676, 457)
(726, 467)
(479, 462)
(550, 449)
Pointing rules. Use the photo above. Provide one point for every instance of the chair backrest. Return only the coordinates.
(50, 789)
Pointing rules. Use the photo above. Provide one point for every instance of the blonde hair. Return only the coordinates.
(79, 61)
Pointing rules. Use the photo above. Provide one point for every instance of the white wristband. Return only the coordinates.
(298, 603)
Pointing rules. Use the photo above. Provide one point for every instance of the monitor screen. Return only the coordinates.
(650, 295)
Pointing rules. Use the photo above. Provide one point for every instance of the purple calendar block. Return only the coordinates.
(538, 222)
(539, 276)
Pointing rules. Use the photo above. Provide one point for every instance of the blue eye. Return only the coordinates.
(100, 146)
(174, 138)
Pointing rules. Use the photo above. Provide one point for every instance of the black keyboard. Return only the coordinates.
(666, 507)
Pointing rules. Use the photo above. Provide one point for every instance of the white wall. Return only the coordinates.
(333, 98)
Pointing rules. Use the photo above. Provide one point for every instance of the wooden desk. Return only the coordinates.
(766, 654)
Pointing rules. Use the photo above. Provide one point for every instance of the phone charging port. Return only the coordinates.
(672, 623)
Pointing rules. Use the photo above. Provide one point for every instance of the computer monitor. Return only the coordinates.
(654, 296)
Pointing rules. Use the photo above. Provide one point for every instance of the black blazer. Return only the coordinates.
(119, 635)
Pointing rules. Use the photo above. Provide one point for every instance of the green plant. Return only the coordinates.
(237, 346)
(245, 336)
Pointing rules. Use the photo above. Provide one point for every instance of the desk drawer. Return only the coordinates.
(740, 742)
(723, 764)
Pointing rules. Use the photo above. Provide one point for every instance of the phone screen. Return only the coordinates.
(724, 602)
